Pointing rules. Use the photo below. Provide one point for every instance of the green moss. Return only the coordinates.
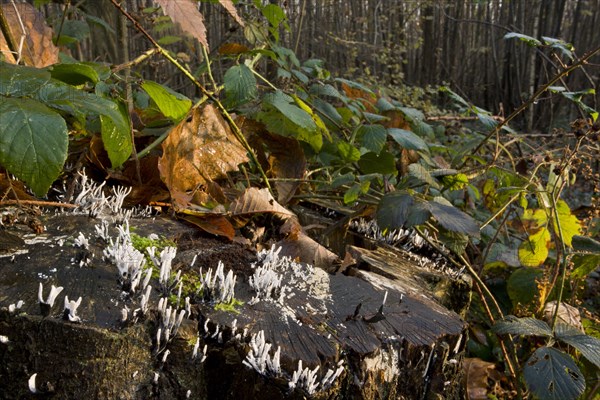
(229, 307)
(140, 243)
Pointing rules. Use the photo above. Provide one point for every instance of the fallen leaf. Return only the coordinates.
(301, 247)
(212, 223)
(38, 49)
(200, 149)
(477, 373)
(258, 201)
(187, 15)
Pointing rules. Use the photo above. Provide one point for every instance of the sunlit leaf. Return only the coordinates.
(172, 105)
(533, 251)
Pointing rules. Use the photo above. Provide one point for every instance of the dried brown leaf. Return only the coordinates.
(212, 223)
(200, 149)
(477, 373)
(38, 49)
(228, 4)
(232, 49)
(186, 14)
(299, 246)
(258, 201)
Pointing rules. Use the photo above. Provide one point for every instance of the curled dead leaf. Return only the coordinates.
(200, 149)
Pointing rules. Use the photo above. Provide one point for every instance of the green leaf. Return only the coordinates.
(240, 85)
(456, 242)
(585, 244)
(274, 14)
(407, 139)
(100, 22)
(584, 264)
(531, 41)
(355, 85)
(319, 89)
(372, 137)
(169, 39)
(74, 74)
(382, 163)
(393, 209)
(33, 142)
(73, 31)
(455, 182)
(512, 325)
(356, 190)
(551, 374)
(418, 172)
(522, 285)
(588, 346)
(19, 81)
(454, 96)
(116, 136)
(565, 48)
(453, 219)
(488, 122)
(172, 105)
(286, 105)
(348, 152)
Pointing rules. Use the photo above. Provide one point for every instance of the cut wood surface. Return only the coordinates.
(411, 348)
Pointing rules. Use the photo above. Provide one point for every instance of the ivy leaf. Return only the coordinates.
(372, 137)
(553, 375)
(453, 219)
(407, 139)
(172, 105)
(240, 85)
(33, 142)
(534, 250)
(588, 346)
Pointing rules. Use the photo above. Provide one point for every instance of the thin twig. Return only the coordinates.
(36, 203)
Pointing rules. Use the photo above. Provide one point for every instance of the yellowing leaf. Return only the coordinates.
(534, 251)
(186, 14)
(569, 224)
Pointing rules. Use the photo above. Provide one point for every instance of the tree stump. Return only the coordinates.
(335, 336)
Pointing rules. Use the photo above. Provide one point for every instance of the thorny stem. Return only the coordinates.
(579, 63)
(236, 130)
